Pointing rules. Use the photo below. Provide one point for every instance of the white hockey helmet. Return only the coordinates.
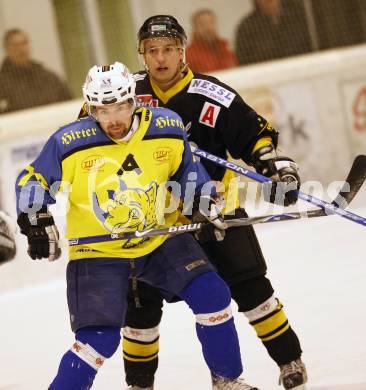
(108, 84)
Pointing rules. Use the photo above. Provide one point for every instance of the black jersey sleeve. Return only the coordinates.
(241, 127)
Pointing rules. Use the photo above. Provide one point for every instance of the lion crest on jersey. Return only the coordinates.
(128, 209)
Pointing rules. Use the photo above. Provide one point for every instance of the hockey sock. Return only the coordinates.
(80, 364)
(209, 298)
(140, 355)
(273, 329)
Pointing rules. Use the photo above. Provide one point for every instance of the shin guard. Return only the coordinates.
(80, 364)
(209, 298)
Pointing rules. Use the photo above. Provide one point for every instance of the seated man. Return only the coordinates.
(207, 52)
(25, 83)
(274, 29)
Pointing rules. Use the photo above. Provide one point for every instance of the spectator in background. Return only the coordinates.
(339, 23)
(207, 51)
(275, 29)
(25, 83)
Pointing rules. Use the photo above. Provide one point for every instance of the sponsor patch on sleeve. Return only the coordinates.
(209, 114)
(146, 101)
(213, 91)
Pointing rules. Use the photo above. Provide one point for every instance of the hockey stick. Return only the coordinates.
(193, 227)
(329, 208)
(355, 179)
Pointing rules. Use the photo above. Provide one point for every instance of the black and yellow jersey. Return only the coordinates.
(215, 117)
(113, 185)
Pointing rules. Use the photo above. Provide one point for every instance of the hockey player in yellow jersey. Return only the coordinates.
(114, 162)
(217, 120)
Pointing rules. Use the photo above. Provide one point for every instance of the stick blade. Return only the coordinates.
(354, 182)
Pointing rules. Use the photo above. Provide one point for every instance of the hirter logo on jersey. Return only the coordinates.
(209, 114)
(146, 101)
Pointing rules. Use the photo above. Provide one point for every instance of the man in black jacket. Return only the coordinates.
(25, 83)
(275, 29)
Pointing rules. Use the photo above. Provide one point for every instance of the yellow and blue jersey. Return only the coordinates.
(113, 185)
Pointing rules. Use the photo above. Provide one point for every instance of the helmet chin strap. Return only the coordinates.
(135, 122)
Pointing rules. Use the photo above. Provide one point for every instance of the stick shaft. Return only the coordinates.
(327, 207)
(174, 230)
(355, 180)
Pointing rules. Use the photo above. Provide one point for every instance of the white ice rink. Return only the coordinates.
(318, 269)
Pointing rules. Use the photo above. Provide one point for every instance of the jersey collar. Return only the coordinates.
(179, 86)
(134, 126)
(139, 127)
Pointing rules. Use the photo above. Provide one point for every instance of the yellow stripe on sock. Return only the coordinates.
(140, 351)
(276, 334)
(266, 329)
(131, 359)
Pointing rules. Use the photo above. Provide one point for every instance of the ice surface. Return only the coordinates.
(318, 269)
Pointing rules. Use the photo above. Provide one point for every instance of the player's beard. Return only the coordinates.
(118, 129)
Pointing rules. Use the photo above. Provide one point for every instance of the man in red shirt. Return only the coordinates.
(207, 51)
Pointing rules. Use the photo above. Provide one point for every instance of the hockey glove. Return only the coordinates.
(207, 208)
(42, 233)
(283, 191)
(7, 242)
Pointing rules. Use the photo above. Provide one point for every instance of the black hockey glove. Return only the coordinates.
(283, 191)
(207, 208)
(7, 242)
(42, 235)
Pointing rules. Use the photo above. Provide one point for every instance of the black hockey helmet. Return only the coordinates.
(159, 26)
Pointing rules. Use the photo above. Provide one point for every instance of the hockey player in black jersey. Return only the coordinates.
(218, 121)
